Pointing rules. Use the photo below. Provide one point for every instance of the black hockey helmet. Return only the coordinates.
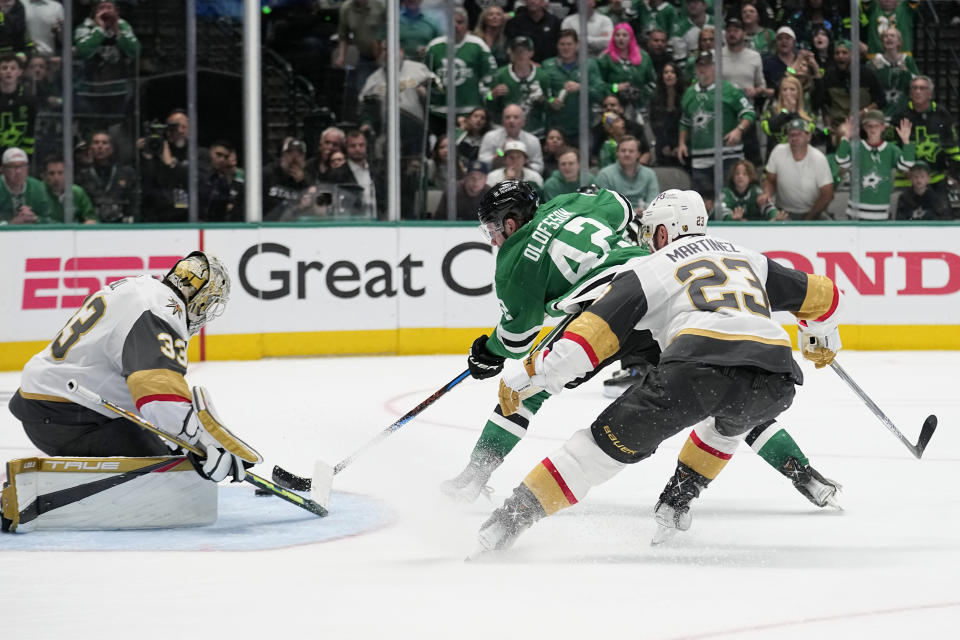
(515, 198)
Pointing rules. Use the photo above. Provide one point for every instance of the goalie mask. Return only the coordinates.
(682, 213)
(203, 284)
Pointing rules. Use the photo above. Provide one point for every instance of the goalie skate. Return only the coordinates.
(471, 482)
(811, 484)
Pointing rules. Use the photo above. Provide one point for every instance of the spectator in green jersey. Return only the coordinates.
(23, 200)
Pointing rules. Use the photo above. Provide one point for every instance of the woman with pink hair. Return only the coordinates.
(626, 70)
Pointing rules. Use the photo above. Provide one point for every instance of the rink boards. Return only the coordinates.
(421, 288)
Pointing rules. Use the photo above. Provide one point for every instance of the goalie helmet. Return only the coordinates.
(204, 285)
(681, 212)
(508, 198)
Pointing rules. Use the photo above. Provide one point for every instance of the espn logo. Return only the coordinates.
(85, 274)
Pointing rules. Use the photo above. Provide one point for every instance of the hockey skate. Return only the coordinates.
(620, 381)
(672, 512)
(813, 486)
(472, 481)
(505, 525)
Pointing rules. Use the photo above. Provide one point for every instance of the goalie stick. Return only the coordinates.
(261, 483)
(324, 472)
(926, 431)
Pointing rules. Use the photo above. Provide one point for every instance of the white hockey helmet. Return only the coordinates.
(204, 284)
(681, 212)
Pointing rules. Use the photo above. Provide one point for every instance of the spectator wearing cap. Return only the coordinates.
(18, 111)
(626, 70)
(919, 202)
(23, 199)
(286, 182)
(798, 179)
(521, 83)
(686, 33)
(470, 190)
(566, 179)
(563, 86)
(112, 186)
(599, 28)
(535, 21)
(878, 160)
(55, 185)
(473, 75)
(627, 176)
(514, 159)
(835, 97)
(492, 146)
(699, 118)
(785, 58)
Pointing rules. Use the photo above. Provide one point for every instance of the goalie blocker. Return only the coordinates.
(105, 494)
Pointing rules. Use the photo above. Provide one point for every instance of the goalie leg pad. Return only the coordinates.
(105, 494)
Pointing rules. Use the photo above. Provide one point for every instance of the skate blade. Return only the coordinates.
(831, 501)
(480, 554)
(662, 534)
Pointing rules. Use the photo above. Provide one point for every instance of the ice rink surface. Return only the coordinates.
(759, 562)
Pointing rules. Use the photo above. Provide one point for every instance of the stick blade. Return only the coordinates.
(926, 432)
(288, 480)
(321, 483)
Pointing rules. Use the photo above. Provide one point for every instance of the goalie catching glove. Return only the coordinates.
(819, 341)
(227, 455)
(481, 362)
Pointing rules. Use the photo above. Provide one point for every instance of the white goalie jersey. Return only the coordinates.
(128, 344)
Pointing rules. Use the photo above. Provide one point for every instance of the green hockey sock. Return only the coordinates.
(775, 446)
(502, 433)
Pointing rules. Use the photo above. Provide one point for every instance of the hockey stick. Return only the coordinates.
(926, 431)
(257, 481)
(320, 484)
(325, 472)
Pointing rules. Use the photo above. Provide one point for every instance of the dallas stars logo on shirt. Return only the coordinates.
(870, 180)
(702, 119)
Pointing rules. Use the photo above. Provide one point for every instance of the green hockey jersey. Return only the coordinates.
(555, 262)
(697, 119)
(876, 176)
(530, 93)
(474, 71)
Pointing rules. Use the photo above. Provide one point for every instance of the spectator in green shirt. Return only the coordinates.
(53, 180)
(566, 179)
(23, 200)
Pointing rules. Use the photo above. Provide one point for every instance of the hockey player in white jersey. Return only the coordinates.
(708, 302)
(128, 344)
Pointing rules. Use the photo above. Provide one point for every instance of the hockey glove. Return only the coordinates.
(227, 455)
(819, 344)
(481, 362)
(517, 387)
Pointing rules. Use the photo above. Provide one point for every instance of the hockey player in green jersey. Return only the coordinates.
(473, 73)
(554, 260)
(877, 161)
